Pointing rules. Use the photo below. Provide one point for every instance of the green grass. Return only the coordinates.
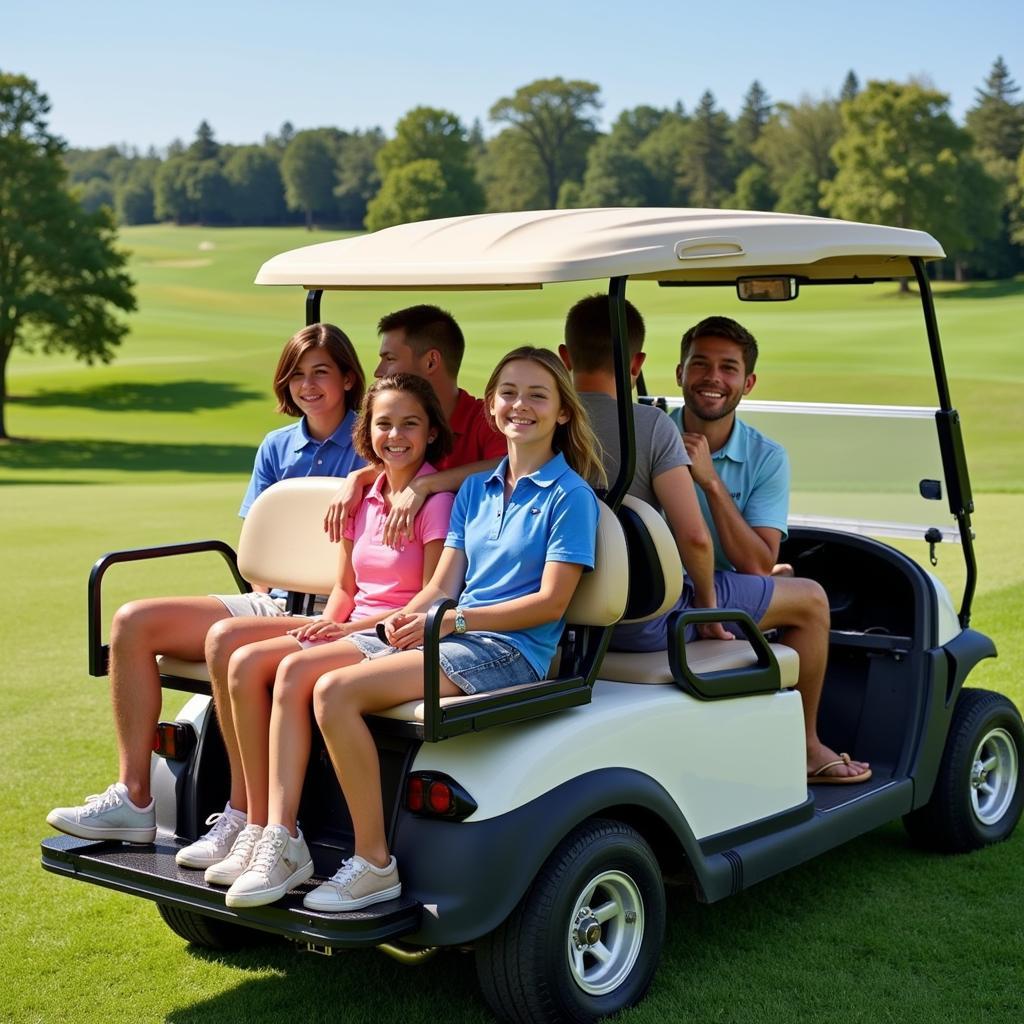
(156, 447)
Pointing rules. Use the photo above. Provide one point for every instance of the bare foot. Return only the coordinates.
(840, 766)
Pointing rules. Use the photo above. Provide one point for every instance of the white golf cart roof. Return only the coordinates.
(534, 248)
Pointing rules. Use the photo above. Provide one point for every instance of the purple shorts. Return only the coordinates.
(750, 594)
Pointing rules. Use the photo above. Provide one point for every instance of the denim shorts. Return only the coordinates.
(474, 662)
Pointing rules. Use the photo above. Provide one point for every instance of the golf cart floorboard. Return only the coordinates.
(151, 871)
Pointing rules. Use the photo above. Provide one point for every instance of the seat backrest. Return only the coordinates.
(656, 580)
(283, 543)
(600, 597)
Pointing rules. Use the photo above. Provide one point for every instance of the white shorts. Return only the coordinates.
(253, 603)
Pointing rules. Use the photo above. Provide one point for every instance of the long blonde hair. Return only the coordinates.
(575, 439)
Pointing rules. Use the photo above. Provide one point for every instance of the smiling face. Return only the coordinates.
(317, 386)
(526, 405)
(714, 378)
(399, 429)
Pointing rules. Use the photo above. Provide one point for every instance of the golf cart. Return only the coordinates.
(538, 824)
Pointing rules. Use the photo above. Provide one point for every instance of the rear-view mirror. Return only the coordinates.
(767, 289)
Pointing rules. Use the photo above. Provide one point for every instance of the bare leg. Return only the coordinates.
(290, 731)
(175, 626)
(340, 700)
(251, 671)
(800, 607)
(222, 640)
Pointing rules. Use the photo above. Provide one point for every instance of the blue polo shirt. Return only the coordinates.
(290, 452)
(755, 471)
(551, 516)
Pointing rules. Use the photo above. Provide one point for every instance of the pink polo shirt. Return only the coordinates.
(386, 579)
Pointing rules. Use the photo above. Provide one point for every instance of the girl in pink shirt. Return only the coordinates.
(401, 429)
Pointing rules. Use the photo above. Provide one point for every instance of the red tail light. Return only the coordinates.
(433, 795)
(174, 740)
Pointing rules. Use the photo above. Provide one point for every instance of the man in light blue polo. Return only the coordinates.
(742, 476)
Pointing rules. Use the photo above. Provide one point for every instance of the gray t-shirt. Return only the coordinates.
(659, 447)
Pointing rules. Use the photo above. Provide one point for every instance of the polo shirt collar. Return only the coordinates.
(376, 489)
(735, 448)
(544, 477)
(342, 435)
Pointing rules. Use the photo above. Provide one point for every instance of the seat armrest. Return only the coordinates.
(99, 652)
(762, 677)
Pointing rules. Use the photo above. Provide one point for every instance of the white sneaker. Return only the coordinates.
(279, 863)
(213, 847)
(356, 884)
(227, 871)
(107, 815)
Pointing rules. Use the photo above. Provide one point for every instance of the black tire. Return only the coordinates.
(979, 791)
(209, 932)
(526, 969)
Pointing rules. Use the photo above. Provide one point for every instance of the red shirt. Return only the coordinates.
(475, 439)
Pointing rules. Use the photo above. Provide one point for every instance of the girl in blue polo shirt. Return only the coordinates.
(519, 540)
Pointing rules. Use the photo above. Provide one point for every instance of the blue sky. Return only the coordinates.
(145, 74)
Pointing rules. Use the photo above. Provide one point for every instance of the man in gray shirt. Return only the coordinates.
(797, 606)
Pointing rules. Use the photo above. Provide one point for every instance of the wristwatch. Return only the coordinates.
(460, 621)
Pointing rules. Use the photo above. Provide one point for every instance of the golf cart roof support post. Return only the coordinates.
(313, 297)
(623, 393)
(953, 462)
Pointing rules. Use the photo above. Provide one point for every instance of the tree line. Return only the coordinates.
(887, 152)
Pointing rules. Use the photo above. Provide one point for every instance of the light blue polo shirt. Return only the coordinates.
(551, 516)
(290, 452)
(755, 471)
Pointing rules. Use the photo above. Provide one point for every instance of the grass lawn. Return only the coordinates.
(157, 446)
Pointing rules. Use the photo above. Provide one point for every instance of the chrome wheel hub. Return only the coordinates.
(605, 932)
(993, 776)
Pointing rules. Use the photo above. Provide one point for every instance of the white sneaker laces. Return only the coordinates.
(223, 826)
(99, 802)
(267, 851)
(347, 873)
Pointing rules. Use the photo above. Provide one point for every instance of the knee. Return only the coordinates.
(130, 622)
(330, 696)
(217, 645)
(292, 678)
(241, 670)
(815, 601)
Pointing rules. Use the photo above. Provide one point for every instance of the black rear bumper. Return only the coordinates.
(151, 872)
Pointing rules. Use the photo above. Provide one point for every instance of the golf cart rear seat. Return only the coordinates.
(283, 545)
(652, 594)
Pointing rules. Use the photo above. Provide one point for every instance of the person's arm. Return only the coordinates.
(751, 549)
(675, 492)
(548, 604)
(409, 500)
(346, 500)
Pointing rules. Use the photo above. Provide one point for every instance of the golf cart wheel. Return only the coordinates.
(209, 932)
(979, 792)
(584, 941)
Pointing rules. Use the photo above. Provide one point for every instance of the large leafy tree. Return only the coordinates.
(555, 120)
(414, 191)
(429, 133)
(902, 160)
(61, 278)
(256, 195)
(796, 148)
(307, 168)
(356, 175)
(510, 173)
(618, 170)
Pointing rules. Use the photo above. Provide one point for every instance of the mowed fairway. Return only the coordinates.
(157, 446)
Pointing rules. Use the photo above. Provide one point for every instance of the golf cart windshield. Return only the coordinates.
(866, 469)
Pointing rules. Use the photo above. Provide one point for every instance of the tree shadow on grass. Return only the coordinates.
(135, 457)
(138, 396)
(982, 290)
